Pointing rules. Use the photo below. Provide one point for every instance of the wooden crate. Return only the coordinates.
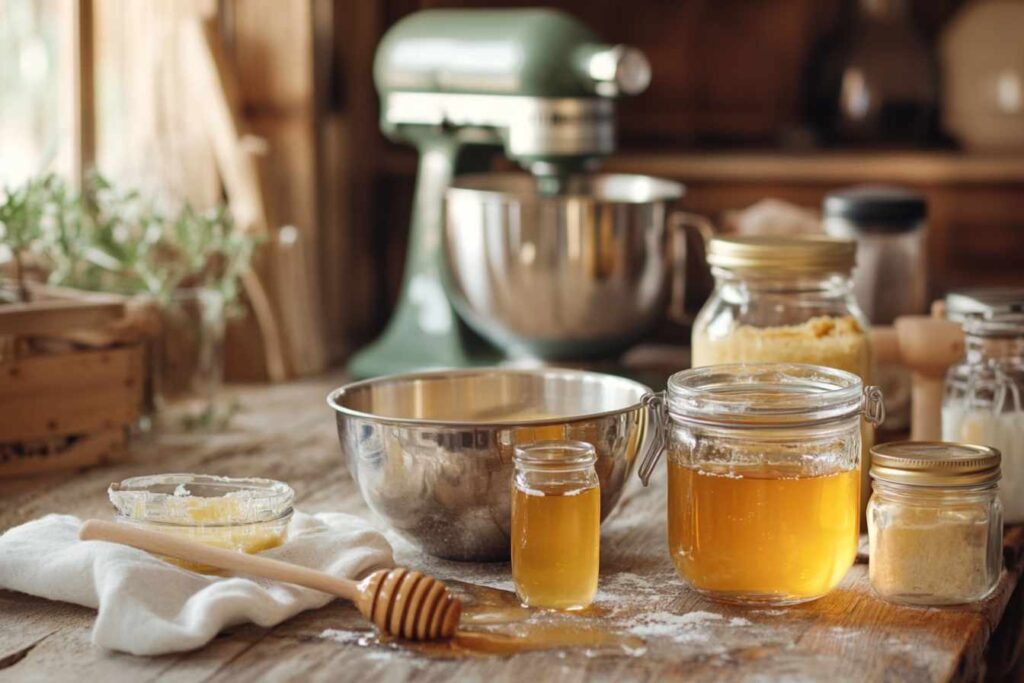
(71, 380)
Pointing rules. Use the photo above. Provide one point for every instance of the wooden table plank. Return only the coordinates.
(287, 433)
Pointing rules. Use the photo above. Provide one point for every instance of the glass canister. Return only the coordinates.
(888, 225)
(935, 522)
(556, 524)
(983, 400)
(763, 480)
(782, 299)
(785, 300)
(890, 280)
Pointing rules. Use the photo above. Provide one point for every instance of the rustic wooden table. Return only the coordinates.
(287, 433)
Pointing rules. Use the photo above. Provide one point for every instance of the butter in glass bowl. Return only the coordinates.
(245, 515)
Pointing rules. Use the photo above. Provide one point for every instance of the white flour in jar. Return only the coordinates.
(1003, 431)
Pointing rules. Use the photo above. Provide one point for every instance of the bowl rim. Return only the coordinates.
(334, 395)
(479, 185)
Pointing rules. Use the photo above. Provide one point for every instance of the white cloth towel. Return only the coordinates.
(148, 606)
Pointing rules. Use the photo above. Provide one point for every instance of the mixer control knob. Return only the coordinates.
(618, 70)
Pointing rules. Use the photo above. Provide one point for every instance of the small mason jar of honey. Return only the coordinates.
(763, 478)
(556, 524)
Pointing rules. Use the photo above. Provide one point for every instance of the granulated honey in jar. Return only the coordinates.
(556, 522)
(935, 522)
(763, 478)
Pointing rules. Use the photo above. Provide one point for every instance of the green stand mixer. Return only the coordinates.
(460, 85)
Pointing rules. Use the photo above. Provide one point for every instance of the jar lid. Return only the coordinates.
(935, 463)
(790, 254)
(765, 394)
(877, 208)
(994, 326)
(201, 499)
(984, 300)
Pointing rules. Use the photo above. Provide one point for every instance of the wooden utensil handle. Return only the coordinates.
(182, 549)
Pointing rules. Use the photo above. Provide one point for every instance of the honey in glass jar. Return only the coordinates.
(762, 530)
(556, 520)
(763, 478)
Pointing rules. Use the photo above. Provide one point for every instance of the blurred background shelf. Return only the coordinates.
(728, 102)
(826, 167)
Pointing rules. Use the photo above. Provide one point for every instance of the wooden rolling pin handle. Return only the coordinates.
(253, 565)
(926, 407)
(926, 346)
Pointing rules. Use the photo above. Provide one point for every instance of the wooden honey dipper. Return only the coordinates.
(399, 602)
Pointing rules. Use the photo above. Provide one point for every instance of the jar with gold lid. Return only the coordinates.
(935, 522)
(763, 478)
(785, 300)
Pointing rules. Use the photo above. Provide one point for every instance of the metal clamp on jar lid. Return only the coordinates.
(798, 254)
(961, 303)
(759, 396)
(935, 464)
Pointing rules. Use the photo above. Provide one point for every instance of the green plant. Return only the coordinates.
(111, 240)
(21, 223)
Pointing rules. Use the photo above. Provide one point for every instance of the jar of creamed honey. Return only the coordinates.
(556, 524)
(763, 478)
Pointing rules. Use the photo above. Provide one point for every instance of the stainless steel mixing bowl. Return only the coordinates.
(431, 452)
(584, 273)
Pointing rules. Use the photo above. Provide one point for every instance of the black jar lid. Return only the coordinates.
(882, 208)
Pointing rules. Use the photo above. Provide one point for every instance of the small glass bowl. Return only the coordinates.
(244, 515)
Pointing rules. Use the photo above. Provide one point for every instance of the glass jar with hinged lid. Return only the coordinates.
(763, 477)
(984, 397)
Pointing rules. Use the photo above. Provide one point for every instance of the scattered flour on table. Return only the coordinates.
(361, 638)
(342, 636)
(681, 628)
(693, 627)
(499, 584)
(627, 586)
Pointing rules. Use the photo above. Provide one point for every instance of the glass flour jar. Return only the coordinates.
(983, 400)
(763, 481)
(935, 522)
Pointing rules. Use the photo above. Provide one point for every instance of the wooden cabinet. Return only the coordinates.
(975, 204)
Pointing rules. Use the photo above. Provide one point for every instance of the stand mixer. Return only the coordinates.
(459, 85)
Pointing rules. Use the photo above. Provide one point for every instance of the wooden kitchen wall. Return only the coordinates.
(723, 114)
(724, 70)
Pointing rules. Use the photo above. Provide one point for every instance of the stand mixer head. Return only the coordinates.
(534, 83)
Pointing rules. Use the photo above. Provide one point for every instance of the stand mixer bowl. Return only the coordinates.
(579, 274)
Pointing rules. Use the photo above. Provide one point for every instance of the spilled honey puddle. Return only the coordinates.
(494, 623)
